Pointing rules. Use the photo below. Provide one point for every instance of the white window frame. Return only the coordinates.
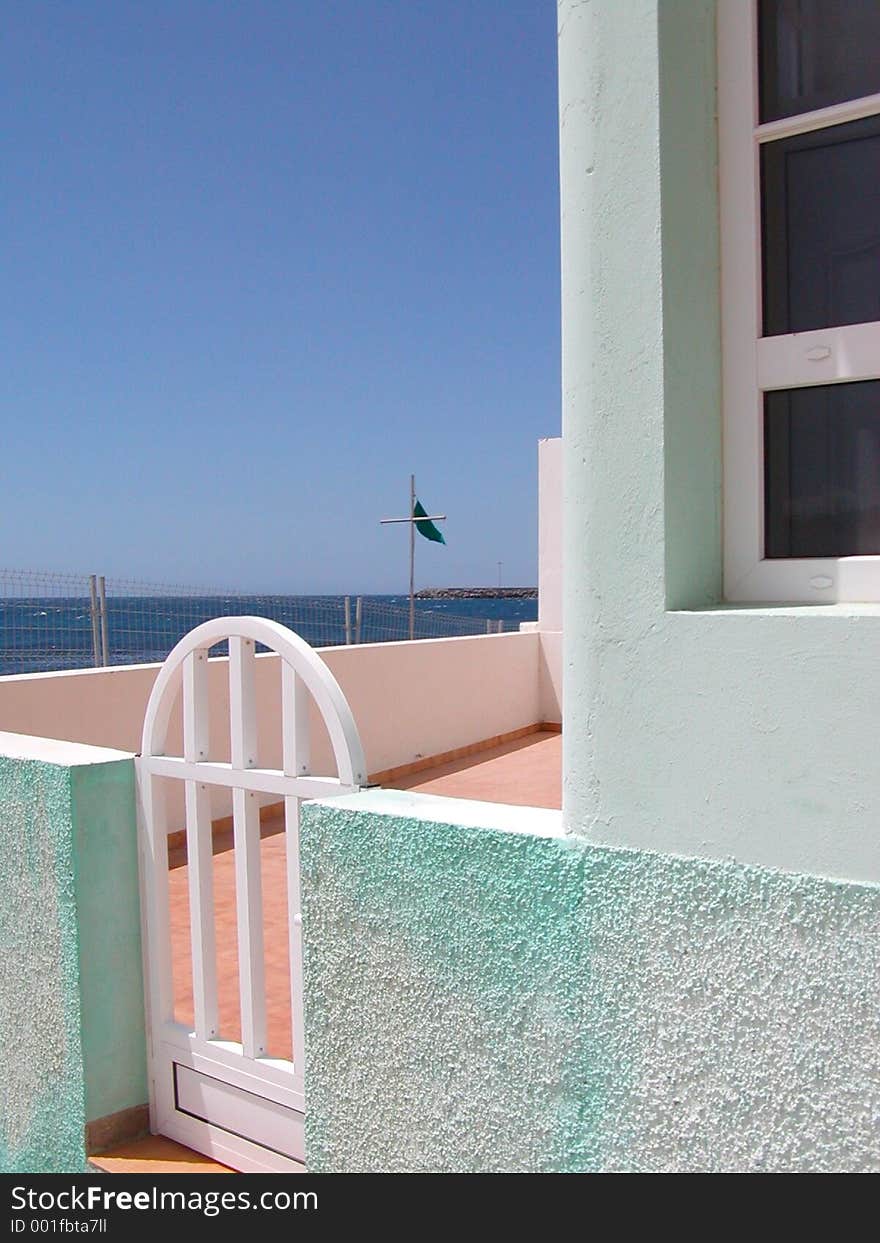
(752, 365)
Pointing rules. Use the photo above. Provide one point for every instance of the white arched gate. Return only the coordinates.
(230, 1099)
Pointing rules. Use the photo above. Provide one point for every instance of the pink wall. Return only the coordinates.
(410, 700)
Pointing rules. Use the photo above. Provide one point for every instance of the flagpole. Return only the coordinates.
(412, 557)
(425, 523)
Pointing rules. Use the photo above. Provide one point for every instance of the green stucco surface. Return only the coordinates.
(71, 1000)
(488, 1000)
(690, 303)
(42, 1099)
(108, 904)
(689, 726)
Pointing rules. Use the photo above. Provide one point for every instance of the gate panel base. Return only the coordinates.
(197, 1105)
(243, 1114)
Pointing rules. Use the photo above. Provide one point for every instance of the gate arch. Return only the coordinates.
(229, 1099)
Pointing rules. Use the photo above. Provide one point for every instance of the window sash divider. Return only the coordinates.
(820, 118)
(841, 355)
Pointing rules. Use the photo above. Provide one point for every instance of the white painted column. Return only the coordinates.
(612, 365)
(577, 121)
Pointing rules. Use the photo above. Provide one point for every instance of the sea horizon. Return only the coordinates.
(43, 633)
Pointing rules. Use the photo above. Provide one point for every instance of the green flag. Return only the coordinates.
(427, 528)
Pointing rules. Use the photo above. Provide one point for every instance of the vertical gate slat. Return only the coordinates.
(199, 848)
(196, 708)
(294, 908)
(200, 859)
(295, 701)
(246, 834)
(242, 702)
(249, 916)
(155, 875)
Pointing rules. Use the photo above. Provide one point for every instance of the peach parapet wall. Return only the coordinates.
(549, 623)
(550, 534)
(410, 700)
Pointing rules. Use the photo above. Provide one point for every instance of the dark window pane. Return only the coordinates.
(822, 471)
(820, 197)
(814, 53)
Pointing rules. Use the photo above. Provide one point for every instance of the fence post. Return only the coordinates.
(488, 625)
(93, 607)
(348, 619)
(357, 619)
(102, 608)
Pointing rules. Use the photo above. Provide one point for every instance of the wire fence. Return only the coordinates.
(74, 621)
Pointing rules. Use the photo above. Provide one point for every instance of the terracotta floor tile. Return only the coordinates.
(156, 1155)
(526, 773)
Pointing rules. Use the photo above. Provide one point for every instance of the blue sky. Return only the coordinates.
(263, 260)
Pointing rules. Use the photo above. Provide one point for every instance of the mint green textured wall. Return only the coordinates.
(108, 905)
(483, 1000)
(725, 732)
(42, 1104)
(691, 310)
(71, 999)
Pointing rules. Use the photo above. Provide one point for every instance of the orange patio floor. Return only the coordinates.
(154, 1154)
(525, 773)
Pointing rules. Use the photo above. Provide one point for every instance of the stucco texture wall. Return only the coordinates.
(71, 1000)
(42, 1100)
(491, 1000)
(108, 925)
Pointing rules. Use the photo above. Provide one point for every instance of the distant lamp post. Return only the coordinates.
(500, 563)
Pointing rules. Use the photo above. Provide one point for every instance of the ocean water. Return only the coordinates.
(496, 608)
(47, 633)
